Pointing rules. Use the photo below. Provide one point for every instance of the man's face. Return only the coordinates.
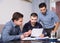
(33, 19)
(19, 21)
(43, 10)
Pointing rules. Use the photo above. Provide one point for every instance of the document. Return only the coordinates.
(36, 32)
(36, 38)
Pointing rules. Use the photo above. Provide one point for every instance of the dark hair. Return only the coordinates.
(42, 5)
(34, 14)
(16, 16)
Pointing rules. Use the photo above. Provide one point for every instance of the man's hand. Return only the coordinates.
(53, 31)
(22, 36)
(42, 35)
(26, 34)
(30, 31)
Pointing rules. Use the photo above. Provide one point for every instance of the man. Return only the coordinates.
(31, 24)
(11, 30)
(49, 19)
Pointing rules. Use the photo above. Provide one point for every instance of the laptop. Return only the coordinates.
(36, 32)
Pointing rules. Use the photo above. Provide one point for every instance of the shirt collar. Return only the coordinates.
(45, 13)
(13, 23)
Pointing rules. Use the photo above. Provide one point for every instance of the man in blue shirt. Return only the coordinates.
(49, 19)
(31, 24)
(11, 30)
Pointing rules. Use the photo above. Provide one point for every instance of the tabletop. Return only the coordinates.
(34, 41)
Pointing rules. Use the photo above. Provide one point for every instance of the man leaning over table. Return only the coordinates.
(49, 20)
(11, 30)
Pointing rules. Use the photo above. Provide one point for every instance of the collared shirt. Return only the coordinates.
(48, 19)
(11, 32)
(28, 26)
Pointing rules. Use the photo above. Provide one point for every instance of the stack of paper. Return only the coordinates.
(29, 38)
(36, 38)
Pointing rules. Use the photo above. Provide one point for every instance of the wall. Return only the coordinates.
(8, 7)
(35, 5)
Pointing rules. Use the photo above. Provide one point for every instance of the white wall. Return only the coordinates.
(35, 5)
(52, 4)
(8, 7)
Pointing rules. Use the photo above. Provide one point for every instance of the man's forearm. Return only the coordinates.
(56, 26)
(9, 38)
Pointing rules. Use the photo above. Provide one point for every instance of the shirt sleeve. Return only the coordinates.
(6, 36)
(38, 18)
(19, 30)
(55, 18)
(25, 28)
(40, 26)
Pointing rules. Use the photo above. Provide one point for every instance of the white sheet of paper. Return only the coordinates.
(29, 38)
(36, 38)
(36, 32)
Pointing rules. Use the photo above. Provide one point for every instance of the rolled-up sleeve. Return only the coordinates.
(55, 18)
(6, 36)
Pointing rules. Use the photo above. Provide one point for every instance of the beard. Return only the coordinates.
(44, 13)
(33, 23)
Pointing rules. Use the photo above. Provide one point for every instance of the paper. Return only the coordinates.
(36, 38)
(36, 32)
(29, 38)
(58, 39)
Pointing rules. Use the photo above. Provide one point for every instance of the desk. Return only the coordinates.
(34, 41)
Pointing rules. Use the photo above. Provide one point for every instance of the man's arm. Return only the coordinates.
(56, 20)
(6, 36)
(56, 27)
(25, 28)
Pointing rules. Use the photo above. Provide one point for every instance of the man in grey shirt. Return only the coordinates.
(11, 30)
(49, 19)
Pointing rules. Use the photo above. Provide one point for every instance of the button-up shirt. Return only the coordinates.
(11, 32)
(48, 19)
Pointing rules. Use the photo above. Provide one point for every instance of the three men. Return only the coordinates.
(49, 20)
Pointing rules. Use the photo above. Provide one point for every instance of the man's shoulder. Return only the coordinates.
(50, 11)
(8, 23)
(27, 23)
(38, 23)
(7, 26)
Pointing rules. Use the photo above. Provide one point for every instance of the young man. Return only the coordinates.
(49, 19)
(31, 24)
(11, 30)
